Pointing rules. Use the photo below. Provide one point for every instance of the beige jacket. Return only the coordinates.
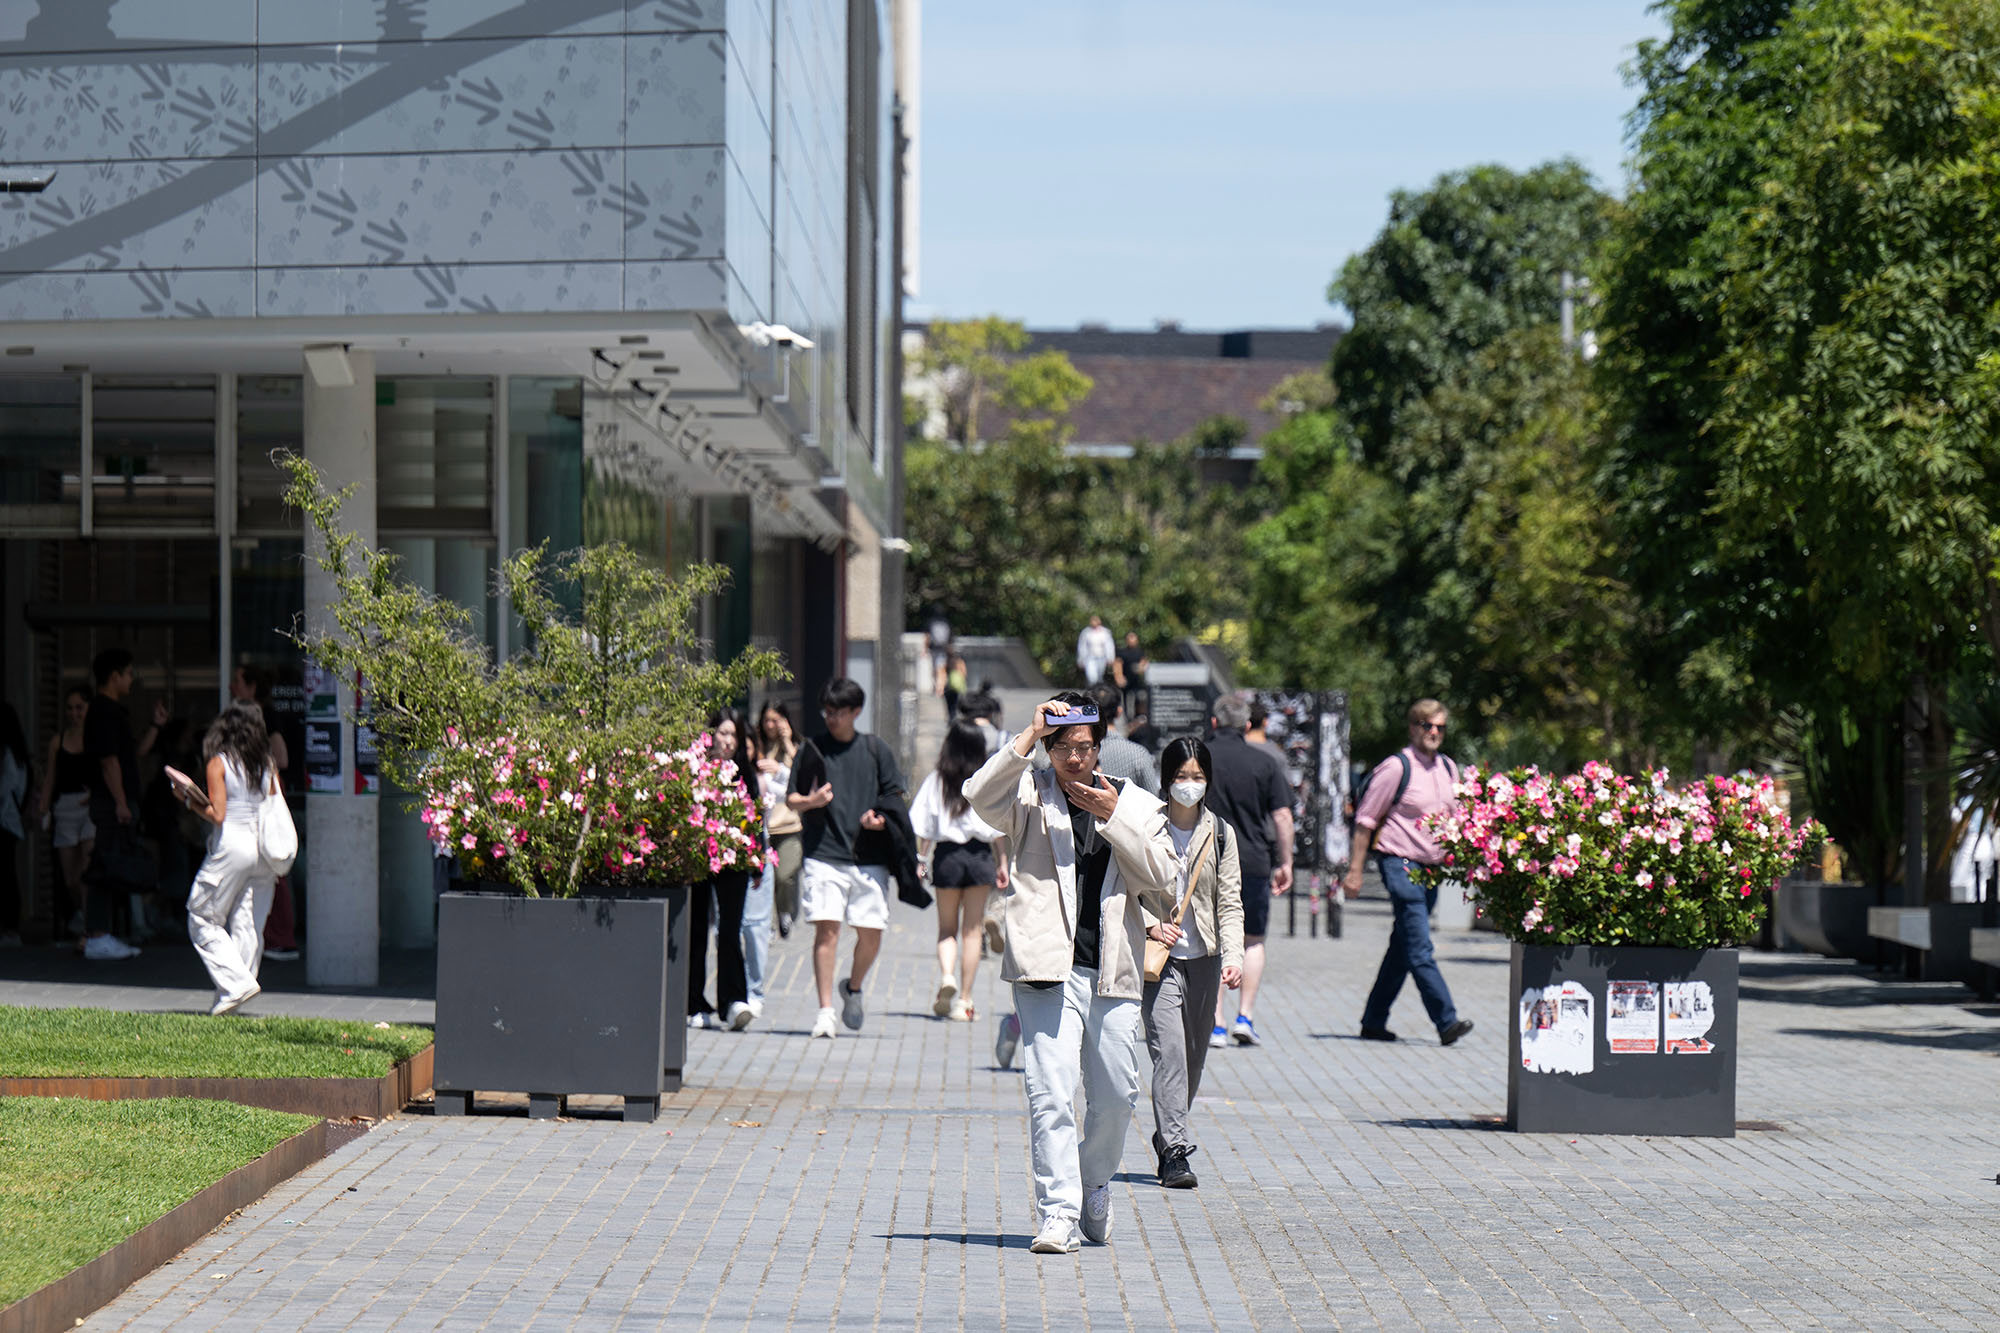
(1028, 807)
(1217, 906)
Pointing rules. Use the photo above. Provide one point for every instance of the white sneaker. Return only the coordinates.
(826, 1025)
(756, 1006)
(739, 1016)
(1097, 1215)
(1008, 1041)
(1057, 1236)
(704, 1020)
(850, 1006)
(947, 991)
(231, 1003)
(107, 948)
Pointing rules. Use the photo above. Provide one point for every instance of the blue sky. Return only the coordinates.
(1131, 160)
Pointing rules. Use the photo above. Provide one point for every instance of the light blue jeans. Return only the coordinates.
(757, 933)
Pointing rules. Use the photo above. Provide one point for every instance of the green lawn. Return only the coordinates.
(105, 1043)
(77, 1177)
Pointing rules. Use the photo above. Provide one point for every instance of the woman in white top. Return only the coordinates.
(232, 891)
(967, 861)
(1206, 953)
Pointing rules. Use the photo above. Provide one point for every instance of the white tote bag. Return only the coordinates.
(277, 838)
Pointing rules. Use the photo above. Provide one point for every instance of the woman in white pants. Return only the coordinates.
(233, 890)
(1092, 858)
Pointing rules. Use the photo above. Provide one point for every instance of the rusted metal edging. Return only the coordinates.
(332, 1098)
(68, 1299)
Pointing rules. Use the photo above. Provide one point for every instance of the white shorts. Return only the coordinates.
(858, 895)
(69, 820)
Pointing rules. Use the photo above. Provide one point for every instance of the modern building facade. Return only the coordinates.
(520, 270)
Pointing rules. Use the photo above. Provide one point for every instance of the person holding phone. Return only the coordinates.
(1092, 856)
(233, 889)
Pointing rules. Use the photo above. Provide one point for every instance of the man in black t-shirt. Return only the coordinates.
(838, 780)
(117, 856)
(1131, 672)
(1248, 788)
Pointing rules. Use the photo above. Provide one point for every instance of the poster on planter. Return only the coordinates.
(1632, 1017)
(1558, 1031)
(1690, 1013)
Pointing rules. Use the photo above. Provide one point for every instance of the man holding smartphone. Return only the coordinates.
(1089, 851)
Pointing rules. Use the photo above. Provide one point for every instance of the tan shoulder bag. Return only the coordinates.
(1156, 952)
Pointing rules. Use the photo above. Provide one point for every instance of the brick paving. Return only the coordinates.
(881, 1180)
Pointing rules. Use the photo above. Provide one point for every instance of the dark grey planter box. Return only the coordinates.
(1823, 917)
(1564, 1075)
(559, 996)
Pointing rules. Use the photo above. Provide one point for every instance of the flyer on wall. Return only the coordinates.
(1690, 1007)
(1558, 1035)
(1632, 1018)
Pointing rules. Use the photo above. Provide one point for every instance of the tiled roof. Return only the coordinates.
(1161, 398)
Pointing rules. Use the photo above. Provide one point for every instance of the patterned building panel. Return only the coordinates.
(138, 25)
(109, 204)
(112, 106)
(674, 88)
(431, 20)
(439, 288)
(676, 198)
(680, 15)
(136, 294)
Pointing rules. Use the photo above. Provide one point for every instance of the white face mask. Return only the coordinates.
(1188, 793)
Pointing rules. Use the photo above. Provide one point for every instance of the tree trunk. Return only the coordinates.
(1937, 785)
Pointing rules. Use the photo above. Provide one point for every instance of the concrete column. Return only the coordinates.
(343, 934)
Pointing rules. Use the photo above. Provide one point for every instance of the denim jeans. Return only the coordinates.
(1409, 953)
(757, 932)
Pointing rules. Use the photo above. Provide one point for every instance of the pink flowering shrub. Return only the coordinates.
(1600, 858)
(513, 811)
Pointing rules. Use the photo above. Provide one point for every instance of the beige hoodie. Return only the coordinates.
(1041, 905)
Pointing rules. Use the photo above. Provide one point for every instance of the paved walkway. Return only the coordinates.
(881, 1180)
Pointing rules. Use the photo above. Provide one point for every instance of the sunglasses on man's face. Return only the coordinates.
(1438, 727)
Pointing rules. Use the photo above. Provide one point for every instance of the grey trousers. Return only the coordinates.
(1180, 1009)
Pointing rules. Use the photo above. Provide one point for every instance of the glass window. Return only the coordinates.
(41, 430)
(434, 455)
(270, 415)
(153, 452)
(545, 470)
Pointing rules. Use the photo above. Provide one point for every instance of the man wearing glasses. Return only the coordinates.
(1088, 852)
(1403, 789)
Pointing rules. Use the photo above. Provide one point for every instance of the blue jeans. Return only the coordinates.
(1409, 953)
(757, 932)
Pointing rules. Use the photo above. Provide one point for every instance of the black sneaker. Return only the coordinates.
(1454, 1032)
(1377, 1034)
(1176, 1175)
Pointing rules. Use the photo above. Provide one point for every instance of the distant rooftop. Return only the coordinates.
(1170, 340)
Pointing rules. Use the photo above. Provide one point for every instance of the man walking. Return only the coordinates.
(1130, 669)
(1094, 650)
(1119, 757)
(838, 779)
(1403, 789)
(1249, 790)
(118, 863)
(1090, 854)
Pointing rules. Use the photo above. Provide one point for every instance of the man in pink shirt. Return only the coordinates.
(1403, 789)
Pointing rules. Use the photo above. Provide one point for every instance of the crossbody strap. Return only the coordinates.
(1194, 874)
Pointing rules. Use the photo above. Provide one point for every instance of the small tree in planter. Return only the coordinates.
(572, 768)
(1624, 898)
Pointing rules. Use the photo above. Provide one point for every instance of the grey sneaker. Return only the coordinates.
(850, 1006)
(1008, 1041)
(1057, 1236)
(1097, 1215)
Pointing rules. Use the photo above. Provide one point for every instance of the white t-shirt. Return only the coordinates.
(934, 823)
(1189, 945)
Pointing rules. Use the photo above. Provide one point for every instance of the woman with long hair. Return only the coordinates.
(1205, 953)
(13, 803)
(721, 900)
(64, 801)
(778, 740)
(967, 862)
(232, 891)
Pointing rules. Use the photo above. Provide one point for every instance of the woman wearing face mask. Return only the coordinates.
(1206, 953)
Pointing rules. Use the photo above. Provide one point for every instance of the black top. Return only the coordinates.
(1093, 868)
(72, 771)
(1131, 656)
(107, 733)
(1246, 787)
(862, 772)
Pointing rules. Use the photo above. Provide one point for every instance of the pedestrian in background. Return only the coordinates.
(119, 862)
(839, 779)
(1129, 671)
(954, 683)
(232, 890)
(1388, 823)
(14, 775)
(1094, 650)
(1205, 953)
(1249, 790)
(63, 807)
(967, 863)
(1119, 757)
(721, 900)
(1092, 857)
(777, 748)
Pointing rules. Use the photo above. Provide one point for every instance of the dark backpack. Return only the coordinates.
(1402, 783)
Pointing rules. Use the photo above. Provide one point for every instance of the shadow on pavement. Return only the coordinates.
(1478, 1122)
(409, 974)
(963, 1238)
(1960, 1039)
